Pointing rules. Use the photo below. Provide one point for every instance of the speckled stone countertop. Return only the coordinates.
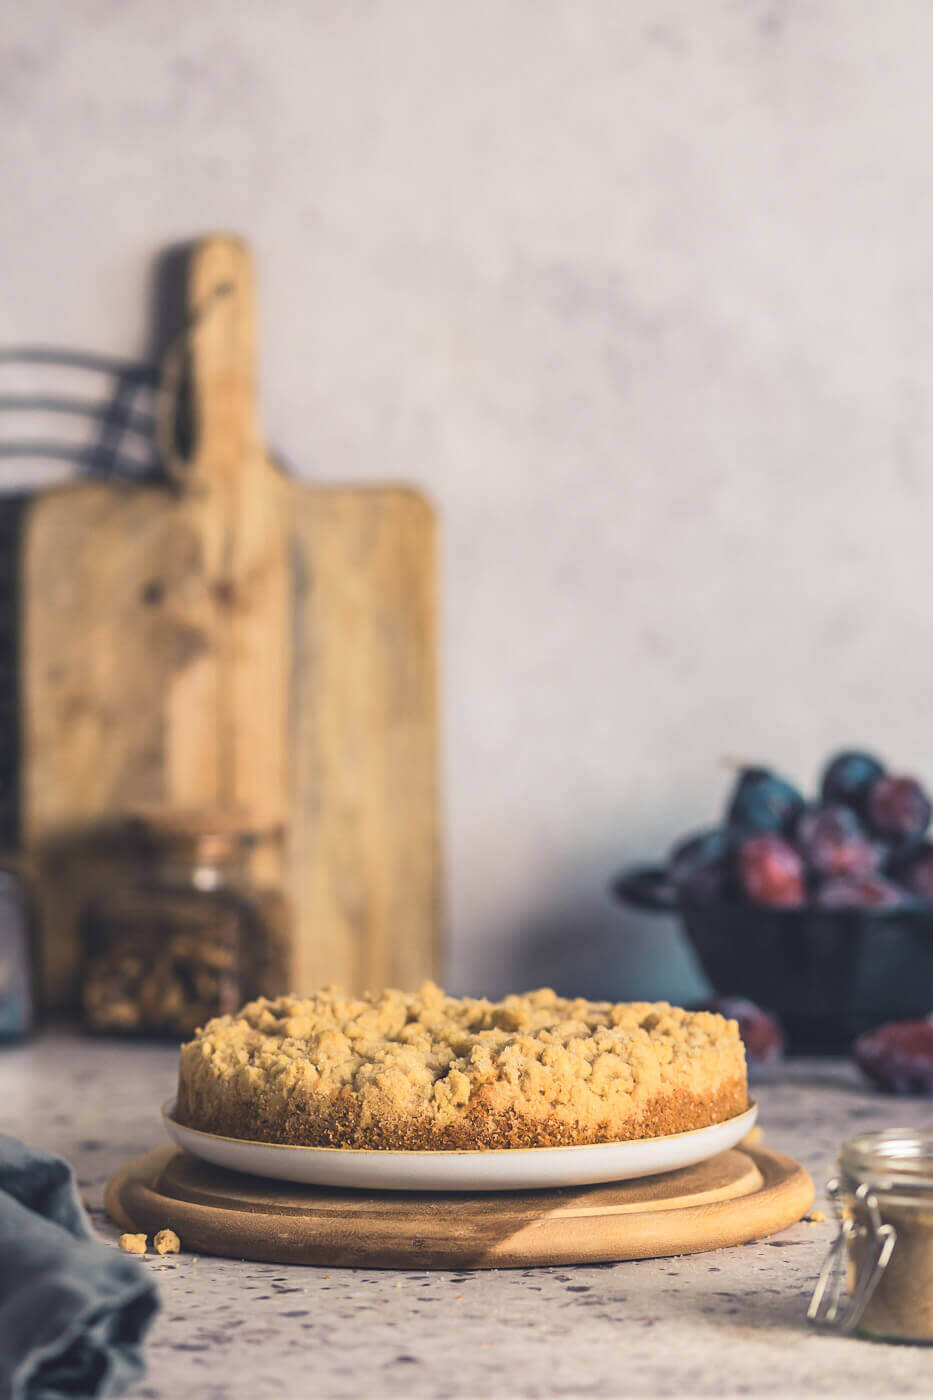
(721, 1324)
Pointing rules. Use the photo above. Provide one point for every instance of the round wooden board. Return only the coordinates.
(741, 1195)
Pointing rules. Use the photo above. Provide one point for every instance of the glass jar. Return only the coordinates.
(187, 936)
(882, 1256)
(17, 949)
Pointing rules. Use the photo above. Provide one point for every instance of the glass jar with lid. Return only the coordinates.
(878, 1277)
(186, 935)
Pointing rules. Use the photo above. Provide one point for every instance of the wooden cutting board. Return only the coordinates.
(741, 1195)
(235, 636)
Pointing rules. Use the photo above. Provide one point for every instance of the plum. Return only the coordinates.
(915, 870)
(761, 801)
(898, 809)
(898, 1057)
(771, 871)
(860, 890)
(832, 841)
(698, 866)
(848, 776)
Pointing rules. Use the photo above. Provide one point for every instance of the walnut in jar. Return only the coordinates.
(185, 936)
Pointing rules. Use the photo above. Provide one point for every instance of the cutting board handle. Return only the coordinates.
(210, 375)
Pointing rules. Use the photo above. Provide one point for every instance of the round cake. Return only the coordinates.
(426, 1071)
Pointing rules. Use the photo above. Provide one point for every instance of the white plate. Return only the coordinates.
(509, 1169)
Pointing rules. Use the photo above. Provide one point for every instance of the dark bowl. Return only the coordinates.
(829, 974)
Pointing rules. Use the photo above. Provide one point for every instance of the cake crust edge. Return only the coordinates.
(477, 1128)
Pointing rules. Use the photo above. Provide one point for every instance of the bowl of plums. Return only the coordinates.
(819, 910)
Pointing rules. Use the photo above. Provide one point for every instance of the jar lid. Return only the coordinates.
(207, 833)
(895, 1160)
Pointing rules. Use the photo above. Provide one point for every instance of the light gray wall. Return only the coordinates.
(641, 292)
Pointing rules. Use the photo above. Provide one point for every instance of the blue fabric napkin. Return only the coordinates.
(73, 1311)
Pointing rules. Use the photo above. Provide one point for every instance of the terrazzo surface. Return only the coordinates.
(721, 1324)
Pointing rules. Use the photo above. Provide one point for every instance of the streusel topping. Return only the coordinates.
(428, 1057)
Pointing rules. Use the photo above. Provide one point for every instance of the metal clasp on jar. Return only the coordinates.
(826, 1306)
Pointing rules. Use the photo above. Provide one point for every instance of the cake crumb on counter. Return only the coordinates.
(167, 1242)
(132, 1244)
(816, 1217)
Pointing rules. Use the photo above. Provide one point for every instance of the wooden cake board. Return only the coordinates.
(740, 1195)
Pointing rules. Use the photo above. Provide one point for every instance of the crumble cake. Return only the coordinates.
(428, 1071)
